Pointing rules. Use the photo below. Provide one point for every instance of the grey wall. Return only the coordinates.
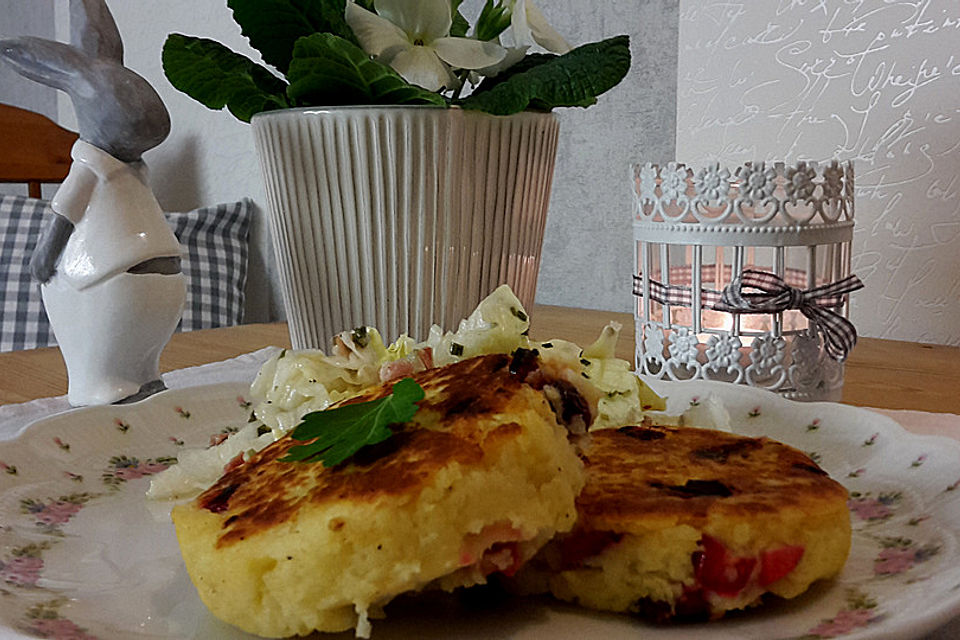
(26, 17)
(588, 249)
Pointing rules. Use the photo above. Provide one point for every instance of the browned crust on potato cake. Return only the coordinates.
(684, 475)
(264, 492)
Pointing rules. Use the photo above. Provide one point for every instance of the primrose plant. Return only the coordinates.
(394, 52)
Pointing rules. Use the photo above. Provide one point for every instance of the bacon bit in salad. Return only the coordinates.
(420, 360)
(395, 370)
(235, 462)
(425, 356)
(218, 438)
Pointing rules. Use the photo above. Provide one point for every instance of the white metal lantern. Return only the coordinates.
(702, 237)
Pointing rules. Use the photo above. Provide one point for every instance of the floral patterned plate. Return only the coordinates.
(83, 555)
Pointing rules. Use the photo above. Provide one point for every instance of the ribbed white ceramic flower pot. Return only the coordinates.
(401, 217)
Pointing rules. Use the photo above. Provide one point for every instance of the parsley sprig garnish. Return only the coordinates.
(339, 433)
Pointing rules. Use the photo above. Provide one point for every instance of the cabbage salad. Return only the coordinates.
(296, 382)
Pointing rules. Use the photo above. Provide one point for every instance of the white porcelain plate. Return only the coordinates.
(83, 555)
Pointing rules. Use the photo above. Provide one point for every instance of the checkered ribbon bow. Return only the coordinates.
(773, 295)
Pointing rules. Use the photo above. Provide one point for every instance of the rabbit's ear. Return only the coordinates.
(51, 63)
(94, 31)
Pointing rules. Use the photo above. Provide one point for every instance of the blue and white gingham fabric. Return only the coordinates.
(214, 242)
(23, 321)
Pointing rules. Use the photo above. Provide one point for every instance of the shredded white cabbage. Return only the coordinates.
(295, 383)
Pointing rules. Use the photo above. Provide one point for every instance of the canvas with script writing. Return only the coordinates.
(870, 81)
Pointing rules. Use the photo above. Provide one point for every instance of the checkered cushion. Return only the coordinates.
(23, 322)
(214, 242)
(214, 245)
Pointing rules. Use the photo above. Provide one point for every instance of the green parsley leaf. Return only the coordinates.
(339, 433)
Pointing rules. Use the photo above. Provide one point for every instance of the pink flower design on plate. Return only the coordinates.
(124, 468)
(59, 629)
(58, 512)
(893, 561)
(900, 555)
(872, 509)
(843, 623)
(140, 470)
(22, 568)
(53, 512)
(22, 571)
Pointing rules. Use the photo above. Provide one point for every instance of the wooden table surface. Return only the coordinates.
(879, 373)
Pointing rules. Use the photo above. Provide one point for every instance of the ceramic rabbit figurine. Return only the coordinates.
(108, 264)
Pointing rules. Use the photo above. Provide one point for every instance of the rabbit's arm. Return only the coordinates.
(43, 261)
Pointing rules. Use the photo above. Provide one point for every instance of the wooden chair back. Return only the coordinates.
(33, 149)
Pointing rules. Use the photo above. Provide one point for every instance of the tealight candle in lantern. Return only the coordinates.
(776, 232)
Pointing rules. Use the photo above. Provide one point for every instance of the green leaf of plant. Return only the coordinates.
(273, 26)
(339, 433)
(526, 63)
(494, 20)
(574, 79)
(218, 77)
(460, 25)
(328, 70)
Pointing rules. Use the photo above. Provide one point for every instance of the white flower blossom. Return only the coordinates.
(412, 36)
(529, 27)
(512, 57)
